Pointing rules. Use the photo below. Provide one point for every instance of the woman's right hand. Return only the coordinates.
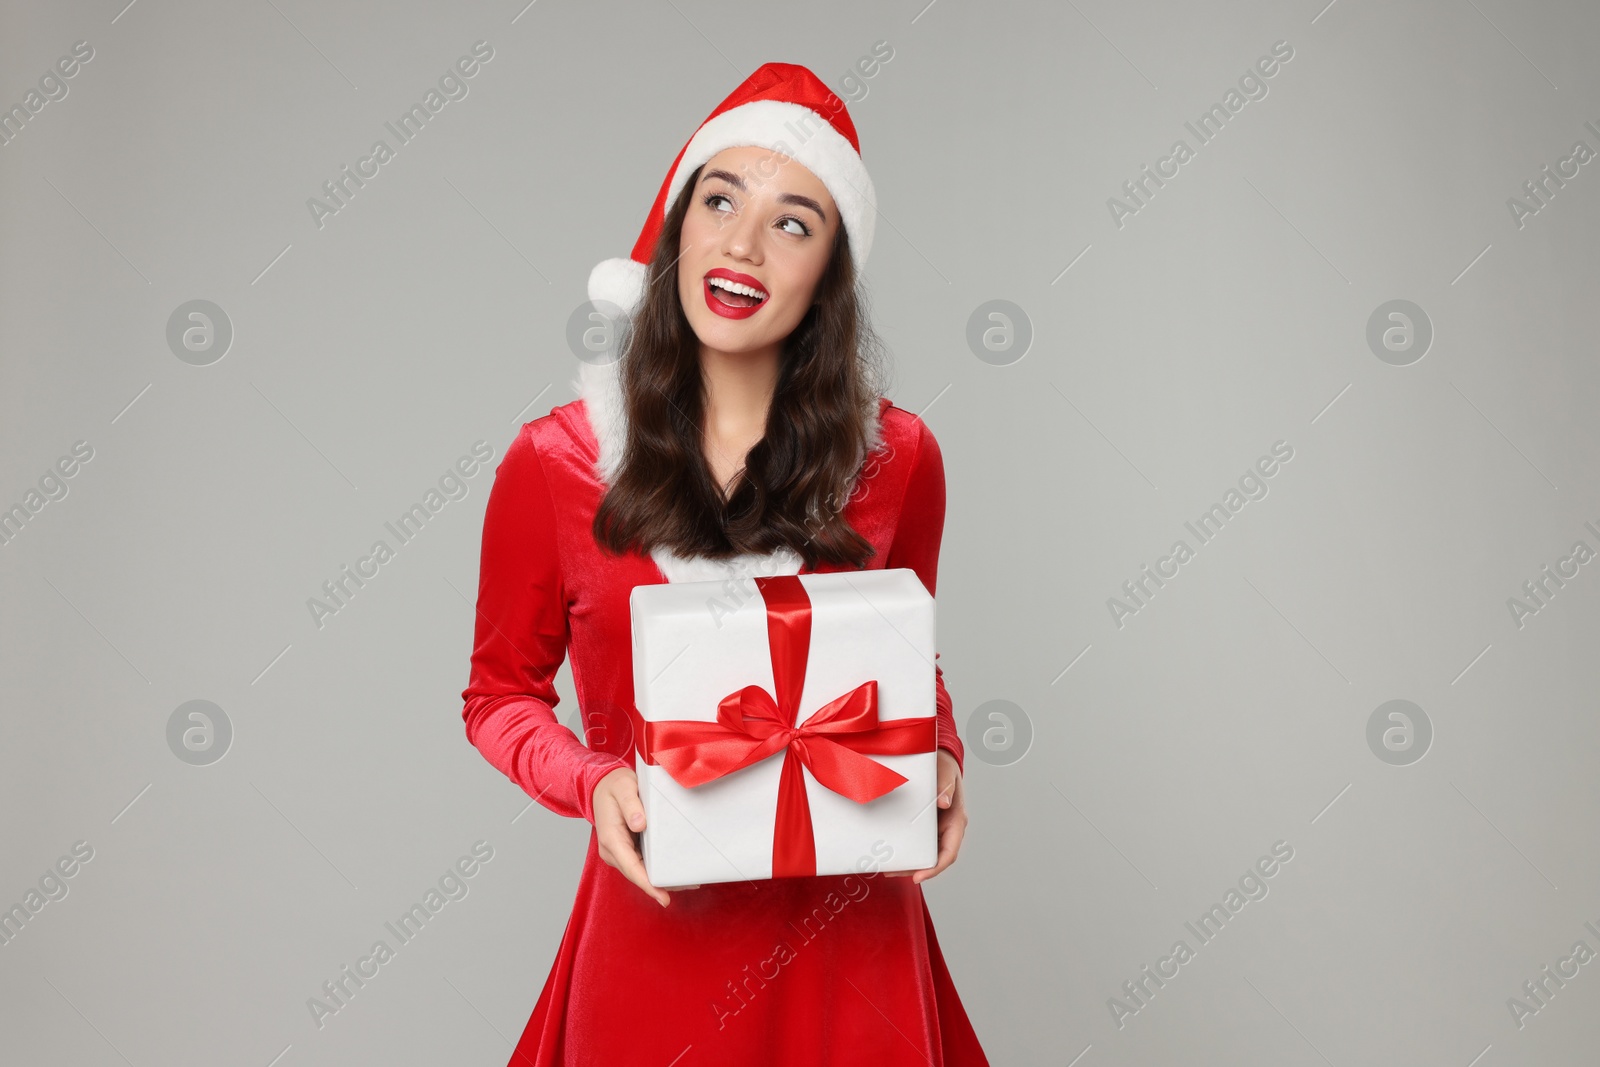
(618, 818)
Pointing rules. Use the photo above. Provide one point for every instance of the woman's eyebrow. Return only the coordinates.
(784, 198)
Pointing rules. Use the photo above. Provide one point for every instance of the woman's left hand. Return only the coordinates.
(952, 801)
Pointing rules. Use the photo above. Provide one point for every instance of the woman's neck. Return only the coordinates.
(738, 390)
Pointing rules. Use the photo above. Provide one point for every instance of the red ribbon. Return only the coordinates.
(751, 725)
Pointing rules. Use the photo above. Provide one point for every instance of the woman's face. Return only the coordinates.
(762, 221)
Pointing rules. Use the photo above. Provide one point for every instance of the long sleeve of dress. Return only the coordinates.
(520, 640)
(916, 545)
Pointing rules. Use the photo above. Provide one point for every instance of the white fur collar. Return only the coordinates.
(600, 387)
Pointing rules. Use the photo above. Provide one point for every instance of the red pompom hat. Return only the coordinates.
(783, 107)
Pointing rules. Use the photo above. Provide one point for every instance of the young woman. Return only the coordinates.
(739, 434)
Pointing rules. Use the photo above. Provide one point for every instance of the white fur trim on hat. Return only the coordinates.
(619, 282)
(803, 135)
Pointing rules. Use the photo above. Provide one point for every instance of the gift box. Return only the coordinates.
(785, 726)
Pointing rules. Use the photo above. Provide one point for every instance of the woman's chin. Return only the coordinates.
(732, 338)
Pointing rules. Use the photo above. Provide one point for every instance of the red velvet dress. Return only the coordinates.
(816, 971)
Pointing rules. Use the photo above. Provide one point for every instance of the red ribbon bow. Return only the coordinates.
(752, 725)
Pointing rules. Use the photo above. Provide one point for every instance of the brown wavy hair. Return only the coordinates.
(796, 479)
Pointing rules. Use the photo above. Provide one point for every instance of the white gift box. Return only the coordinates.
(696, 643)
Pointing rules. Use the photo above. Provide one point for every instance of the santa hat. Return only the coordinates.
(783, 107)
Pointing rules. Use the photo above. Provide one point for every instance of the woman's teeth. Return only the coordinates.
(736, 295)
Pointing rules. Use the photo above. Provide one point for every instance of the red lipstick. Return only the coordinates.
(714, 295)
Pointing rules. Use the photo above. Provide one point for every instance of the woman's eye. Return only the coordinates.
(799, 228)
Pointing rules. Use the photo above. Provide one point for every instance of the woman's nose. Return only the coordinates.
(741, 237)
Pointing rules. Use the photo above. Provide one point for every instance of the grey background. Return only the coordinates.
(1229, 313)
